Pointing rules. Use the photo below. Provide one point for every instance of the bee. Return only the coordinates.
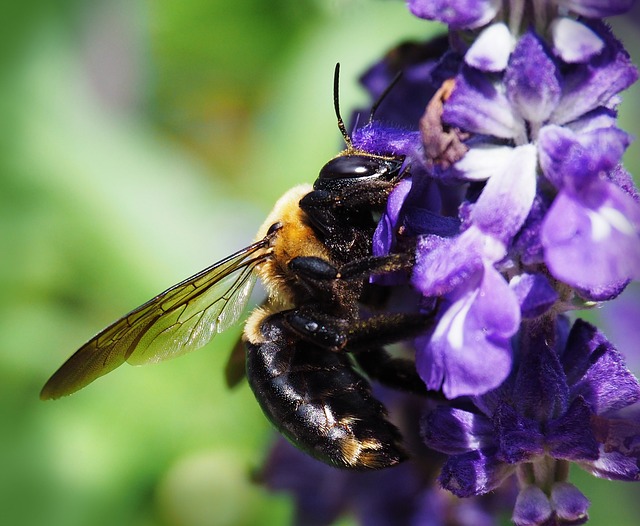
(313, 253)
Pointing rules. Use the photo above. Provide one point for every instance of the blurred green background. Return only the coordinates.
(140, 141)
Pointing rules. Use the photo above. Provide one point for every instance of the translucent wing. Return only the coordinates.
(180, 319)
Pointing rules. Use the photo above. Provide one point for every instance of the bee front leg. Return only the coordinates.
(317, 269)
(364, 339)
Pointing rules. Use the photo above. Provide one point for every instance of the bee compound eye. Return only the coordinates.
(352, 167)
(274, 228)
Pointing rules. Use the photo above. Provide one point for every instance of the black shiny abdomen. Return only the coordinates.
(319, 402)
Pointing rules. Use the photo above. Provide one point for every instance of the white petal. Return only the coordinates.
(483, 161)
(491, 50)
(574, 42)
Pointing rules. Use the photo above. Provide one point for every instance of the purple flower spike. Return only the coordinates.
(384, 236)
(511, 209)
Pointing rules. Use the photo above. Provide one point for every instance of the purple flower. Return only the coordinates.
(569, 399)
(469, 350)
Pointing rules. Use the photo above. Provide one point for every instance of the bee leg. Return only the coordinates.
(328, 332)
(397, 373)
(384, 329)
(313, 268)
(319, 207)
(372, 265)
(364, 339)
(335, 334)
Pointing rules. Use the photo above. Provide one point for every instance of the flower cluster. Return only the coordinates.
(519, 211)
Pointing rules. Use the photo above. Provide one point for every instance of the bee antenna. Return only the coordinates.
(336, 105)
(383, 95)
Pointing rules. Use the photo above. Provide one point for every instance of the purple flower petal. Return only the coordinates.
(570, 437)
(507, 197)
(519, 437)
(482, 161)
(477, 105)
(534, 293)
(613, 466)
(527, 243)
(384, 235)
(491, 50)
(596, 371)
(592, 239)
(573, 41)
(569, 503)
(619, 433)
(445, 264)
(469, 351)
(458, 14)
(594, 84)
(621, 178)
(541, 384)
(569, 159)
(532, 79)
(597, 8)
(424, 210)
(454, 431)
(532, 507)
(473, 473)
(384, 140)
(594, 120)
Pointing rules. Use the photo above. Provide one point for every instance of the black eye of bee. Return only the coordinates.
(274, 228)
(350, 166)
(359, 166)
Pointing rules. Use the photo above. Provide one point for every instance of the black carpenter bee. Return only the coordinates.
(313, 253)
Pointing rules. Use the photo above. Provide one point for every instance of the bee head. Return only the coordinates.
(354, 166)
